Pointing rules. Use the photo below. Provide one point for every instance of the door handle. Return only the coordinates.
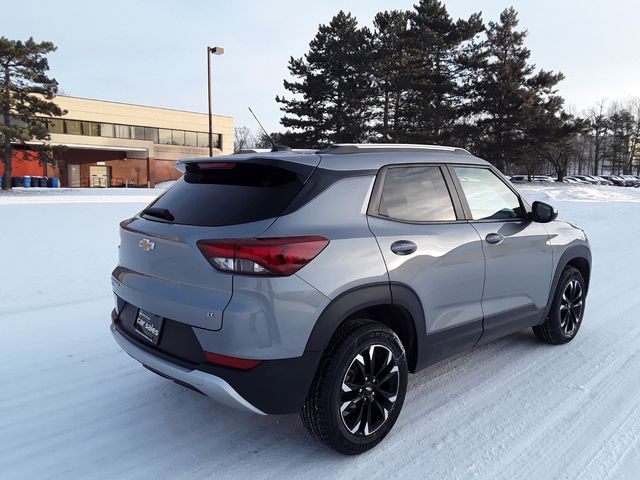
(494, 238)
(403, 247)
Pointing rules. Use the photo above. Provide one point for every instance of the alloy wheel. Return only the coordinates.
(369, 390)
(571, 307)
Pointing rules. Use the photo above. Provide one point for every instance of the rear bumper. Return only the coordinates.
(273, 387)
(209, 384)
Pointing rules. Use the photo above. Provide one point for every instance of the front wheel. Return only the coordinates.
(359, 389)
(565, 316)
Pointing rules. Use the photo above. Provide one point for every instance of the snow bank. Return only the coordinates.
(73, 406)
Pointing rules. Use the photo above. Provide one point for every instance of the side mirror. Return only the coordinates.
(543, 212)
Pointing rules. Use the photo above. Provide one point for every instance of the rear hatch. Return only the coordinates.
(162, 271)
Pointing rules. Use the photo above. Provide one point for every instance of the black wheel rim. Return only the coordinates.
(571, 307)
(369, 390)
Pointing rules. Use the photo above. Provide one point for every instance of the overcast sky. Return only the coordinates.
(153, 52)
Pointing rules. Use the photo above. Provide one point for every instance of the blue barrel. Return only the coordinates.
(54, 182)
(26, 181)
(1, 181)
(16, 181)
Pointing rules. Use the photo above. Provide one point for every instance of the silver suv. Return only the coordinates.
(314, 281)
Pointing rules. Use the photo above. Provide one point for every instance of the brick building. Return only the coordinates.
(114, 144)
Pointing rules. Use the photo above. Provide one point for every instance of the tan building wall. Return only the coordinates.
(128, 114)
(134, 161)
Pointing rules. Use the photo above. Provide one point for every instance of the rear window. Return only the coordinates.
(237, 193)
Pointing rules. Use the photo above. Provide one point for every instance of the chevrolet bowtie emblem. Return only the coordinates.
(146, 245)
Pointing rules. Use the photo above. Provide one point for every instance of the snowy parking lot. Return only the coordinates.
(74, 406)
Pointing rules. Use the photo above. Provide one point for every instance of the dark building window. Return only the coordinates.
(91, 128)
(191, 139)
(164, 136)
(123, 131)
(72, 127)
(107, 130)
(137, 133)
(55, 126)
(151, 134)
(178, 137)
(156, 135)
(203, 139)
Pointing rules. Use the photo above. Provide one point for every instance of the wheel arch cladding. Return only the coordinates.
(577, 256)
(394, 305)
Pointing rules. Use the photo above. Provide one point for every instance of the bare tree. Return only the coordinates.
(243, 138)
(633, 107)
(599, 124)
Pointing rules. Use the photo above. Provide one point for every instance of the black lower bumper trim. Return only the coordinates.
(274, 386)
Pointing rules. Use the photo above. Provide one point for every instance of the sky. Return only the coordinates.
(154, 52)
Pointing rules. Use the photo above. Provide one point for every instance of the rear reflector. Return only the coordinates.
(233, 362)
(281, 256)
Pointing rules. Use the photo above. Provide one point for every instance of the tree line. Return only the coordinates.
(421, 76)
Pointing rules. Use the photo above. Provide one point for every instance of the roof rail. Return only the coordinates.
(345, 148)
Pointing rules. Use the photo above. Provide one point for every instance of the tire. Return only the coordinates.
(567, 310)
(343, 390)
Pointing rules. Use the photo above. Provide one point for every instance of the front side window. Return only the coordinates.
(416, 194)
(488, 197)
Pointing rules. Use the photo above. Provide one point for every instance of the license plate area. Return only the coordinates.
(148, 326)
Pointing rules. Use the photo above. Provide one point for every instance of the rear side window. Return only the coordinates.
(416, 194)
(237, 193)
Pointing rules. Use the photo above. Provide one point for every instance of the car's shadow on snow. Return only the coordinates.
(214, 434)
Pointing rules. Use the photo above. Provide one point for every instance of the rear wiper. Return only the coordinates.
(159, 213)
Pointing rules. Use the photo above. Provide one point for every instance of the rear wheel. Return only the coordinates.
(359, 389)
(565, 316)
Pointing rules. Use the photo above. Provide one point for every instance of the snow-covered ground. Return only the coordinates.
(72, 405)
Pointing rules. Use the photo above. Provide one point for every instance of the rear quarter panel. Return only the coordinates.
(352, 257)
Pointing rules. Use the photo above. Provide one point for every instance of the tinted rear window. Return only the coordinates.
(241, 194)
(416, 194)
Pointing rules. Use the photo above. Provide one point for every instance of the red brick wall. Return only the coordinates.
(27, 162)
(162, 170)
(131, 171)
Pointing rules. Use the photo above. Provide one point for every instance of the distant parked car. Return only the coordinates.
(578, 180)
(587, 178)
(600, 181)
(631, 179)
(604, 180)
(519, 178)
(617, 181)
(543, 178)
(570, 180)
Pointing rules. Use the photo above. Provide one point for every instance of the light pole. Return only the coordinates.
(215, 51)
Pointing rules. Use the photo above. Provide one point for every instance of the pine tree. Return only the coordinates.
(333, 92)
(441, 53)
(514, 99)
(25, 96)
(391, 74)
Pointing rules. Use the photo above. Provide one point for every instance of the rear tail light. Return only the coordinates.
(262, 256)
(233, 362)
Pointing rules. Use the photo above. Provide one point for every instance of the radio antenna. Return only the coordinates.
(276, 148)
(265, 132)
